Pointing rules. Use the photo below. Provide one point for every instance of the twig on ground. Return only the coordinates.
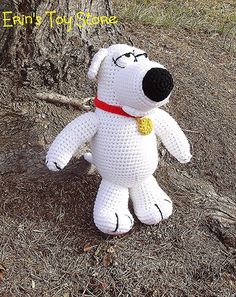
(57, 98)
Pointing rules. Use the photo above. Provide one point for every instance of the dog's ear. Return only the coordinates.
(96, 62)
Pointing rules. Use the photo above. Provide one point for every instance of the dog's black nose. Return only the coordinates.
(157, 84)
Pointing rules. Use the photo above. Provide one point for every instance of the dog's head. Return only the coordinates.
(126, 77)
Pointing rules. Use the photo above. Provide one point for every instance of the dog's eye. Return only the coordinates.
(143, 55)
(122, 60)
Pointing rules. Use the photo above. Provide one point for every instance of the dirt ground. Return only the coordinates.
(49, 245)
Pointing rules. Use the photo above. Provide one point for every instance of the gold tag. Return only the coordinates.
(145, 125)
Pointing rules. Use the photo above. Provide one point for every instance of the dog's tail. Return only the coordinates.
(88, 157)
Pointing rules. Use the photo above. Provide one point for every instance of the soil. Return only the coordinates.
(49, 245)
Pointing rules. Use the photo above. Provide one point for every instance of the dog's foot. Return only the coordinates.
(151, 203)
(155, 212)
(113, 223)
(111, 213)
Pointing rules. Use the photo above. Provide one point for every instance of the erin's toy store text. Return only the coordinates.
(79, 19)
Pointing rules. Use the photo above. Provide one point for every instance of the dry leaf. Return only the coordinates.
(66, 294)
(107, 260)
(2, 269)
(103, 286)
(88, 247)
(1, 276)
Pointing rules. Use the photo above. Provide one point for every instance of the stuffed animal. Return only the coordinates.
(122, 134)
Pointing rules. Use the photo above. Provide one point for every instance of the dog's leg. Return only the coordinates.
(111, 213)
(151, 203)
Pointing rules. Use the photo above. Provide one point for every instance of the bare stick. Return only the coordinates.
(57, 98)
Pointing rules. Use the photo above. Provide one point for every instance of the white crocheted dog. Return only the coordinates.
(122, 132)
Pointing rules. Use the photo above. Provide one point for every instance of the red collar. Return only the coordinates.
(111, 108)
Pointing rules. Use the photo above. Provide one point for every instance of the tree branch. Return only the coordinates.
(57, 98)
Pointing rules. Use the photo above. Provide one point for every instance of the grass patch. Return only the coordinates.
(210, 16)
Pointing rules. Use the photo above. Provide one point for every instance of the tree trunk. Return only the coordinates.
(43, 58)
(56, 52)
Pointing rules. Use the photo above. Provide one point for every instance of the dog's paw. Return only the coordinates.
(155, 212)
(54, 165)
(113, 223)
(186, 159)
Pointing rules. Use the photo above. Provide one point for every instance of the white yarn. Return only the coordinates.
(96, 62)
(71, 137)
(111, 213)
(125, 159)
(88, 157)
(171, 135)
(151, 203)
(121, 154)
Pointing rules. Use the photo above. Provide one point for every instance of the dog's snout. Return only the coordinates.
(157, 84)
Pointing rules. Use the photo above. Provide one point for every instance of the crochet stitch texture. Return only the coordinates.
(123, 148)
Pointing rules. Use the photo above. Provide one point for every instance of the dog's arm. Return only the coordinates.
(172, 136)
(80, 130)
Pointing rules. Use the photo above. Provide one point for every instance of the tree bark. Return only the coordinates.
(55, 54)
(36, 59)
